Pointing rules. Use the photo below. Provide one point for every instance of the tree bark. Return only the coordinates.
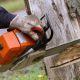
(74, 7)
(65, 66)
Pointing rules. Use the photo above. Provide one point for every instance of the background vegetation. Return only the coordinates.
(12, 5)
(34, 72)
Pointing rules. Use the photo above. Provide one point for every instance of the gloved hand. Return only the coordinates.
(29, 25)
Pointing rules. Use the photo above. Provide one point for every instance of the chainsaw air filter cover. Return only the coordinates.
(12, 44)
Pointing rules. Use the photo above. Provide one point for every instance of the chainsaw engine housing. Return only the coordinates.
(12, 44)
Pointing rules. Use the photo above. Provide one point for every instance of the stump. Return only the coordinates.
(64, 16)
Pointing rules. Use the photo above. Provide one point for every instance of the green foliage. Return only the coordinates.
(13, 5)
(34, 72)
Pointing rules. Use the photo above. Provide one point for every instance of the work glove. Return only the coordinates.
(28, 24)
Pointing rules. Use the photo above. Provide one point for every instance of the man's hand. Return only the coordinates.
(29, 25)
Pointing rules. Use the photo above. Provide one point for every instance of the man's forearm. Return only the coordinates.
(5, 18)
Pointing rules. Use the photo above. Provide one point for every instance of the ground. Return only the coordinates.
(34, 72)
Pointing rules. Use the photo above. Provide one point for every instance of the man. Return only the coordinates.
(27, 24)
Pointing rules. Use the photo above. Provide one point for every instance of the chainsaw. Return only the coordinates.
(15, 46)
(18, 50)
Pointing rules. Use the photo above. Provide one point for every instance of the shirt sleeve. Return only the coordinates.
(5, 18)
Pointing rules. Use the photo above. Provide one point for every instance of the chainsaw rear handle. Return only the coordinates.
(41, 44)
(44, 40)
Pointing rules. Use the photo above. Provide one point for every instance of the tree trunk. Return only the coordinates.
(64, 16)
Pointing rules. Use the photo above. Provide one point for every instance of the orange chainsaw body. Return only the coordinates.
(12, 44)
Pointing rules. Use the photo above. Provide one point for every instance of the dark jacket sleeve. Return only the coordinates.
(5, 18)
